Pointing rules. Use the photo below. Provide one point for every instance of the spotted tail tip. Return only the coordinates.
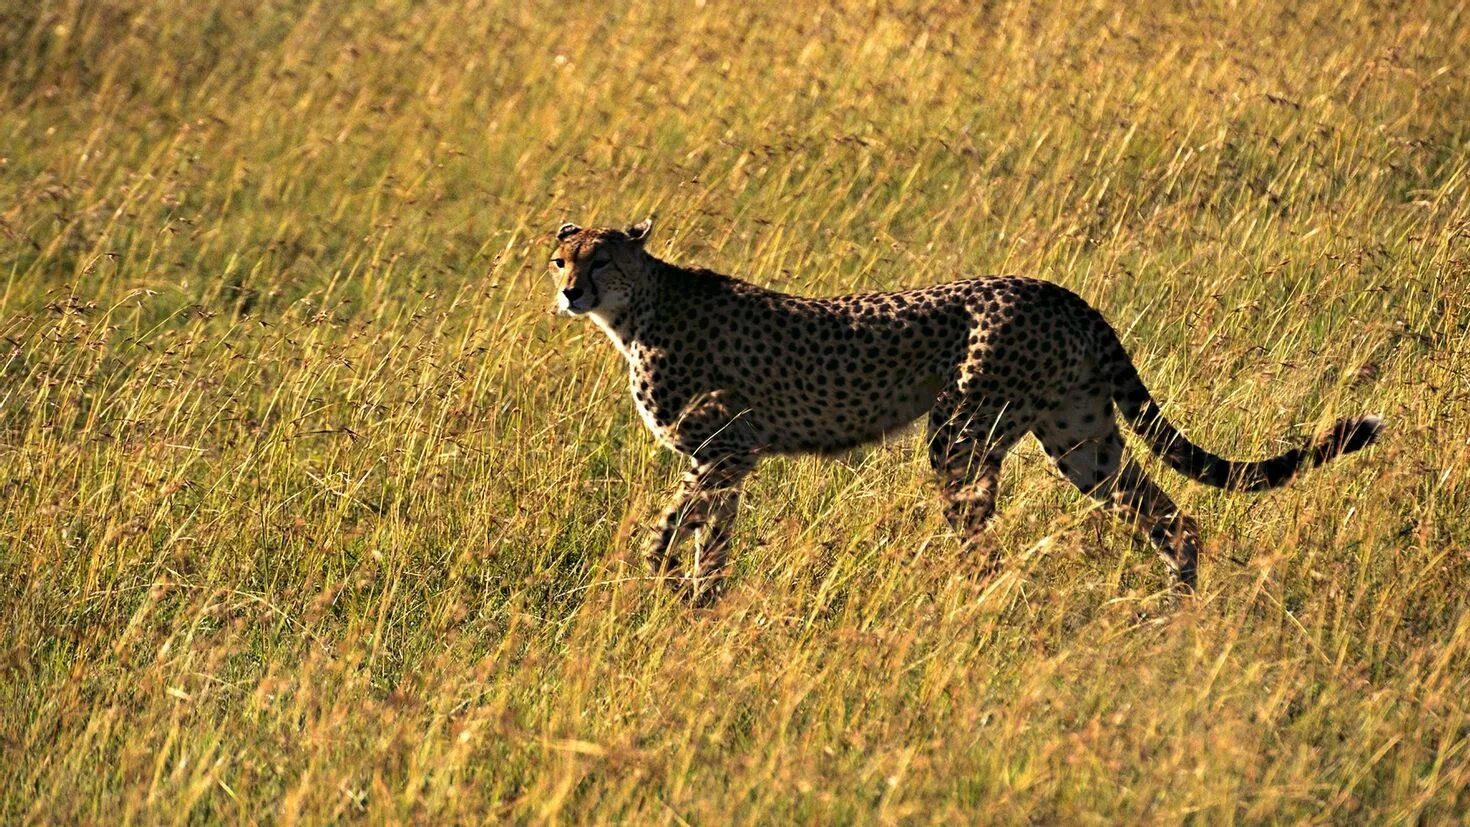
(1352, 434)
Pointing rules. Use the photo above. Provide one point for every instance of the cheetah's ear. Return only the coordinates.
(566, 230)
(638, 233)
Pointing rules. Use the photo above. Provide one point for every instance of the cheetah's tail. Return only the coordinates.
(1142, 414)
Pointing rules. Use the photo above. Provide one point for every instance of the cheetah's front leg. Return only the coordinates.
(704, 507)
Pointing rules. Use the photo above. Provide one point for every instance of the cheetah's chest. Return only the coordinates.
(640, 380)
(641, 384)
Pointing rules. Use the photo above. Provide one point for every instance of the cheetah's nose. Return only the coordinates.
(572, 294)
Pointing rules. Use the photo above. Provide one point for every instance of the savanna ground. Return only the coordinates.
(310, 511)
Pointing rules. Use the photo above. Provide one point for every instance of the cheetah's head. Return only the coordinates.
(600, 269)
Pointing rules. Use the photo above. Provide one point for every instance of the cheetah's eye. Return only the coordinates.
(558, 263)
(599, 264)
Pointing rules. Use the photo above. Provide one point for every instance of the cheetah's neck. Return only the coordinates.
(642, 325)
(620, 328)
(628, 326)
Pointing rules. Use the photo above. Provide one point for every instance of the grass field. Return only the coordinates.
(310, 511)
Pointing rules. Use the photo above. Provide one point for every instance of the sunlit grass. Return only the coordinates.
(310, 511)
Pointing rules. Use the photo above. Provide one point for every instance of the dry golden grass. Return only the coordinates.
(310, 512)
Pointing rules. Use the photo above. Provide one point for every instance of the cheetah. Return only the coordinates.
(726, 372)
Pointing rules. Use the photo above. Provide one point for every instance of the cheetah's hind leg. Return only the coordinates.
(1085, 444)
(968, 440)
